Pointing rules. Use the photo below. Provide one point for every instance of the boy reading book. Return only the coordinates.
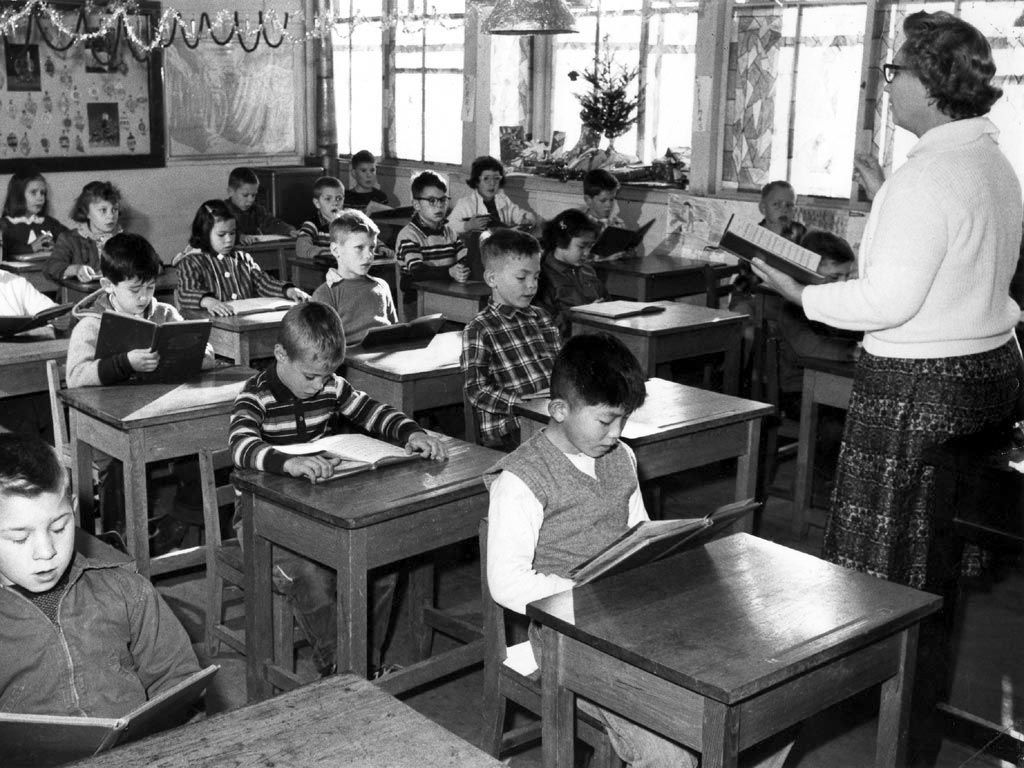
(78, 636)
(299, 398)
(251, 218)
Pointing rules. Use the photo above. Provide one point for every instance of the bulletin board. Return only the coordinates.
(92, 106)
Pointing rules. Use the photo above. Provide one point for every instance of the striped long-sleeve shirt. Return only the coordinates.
(507, 352)
(426, 253)
(314, 242)
(225, 278)
(266, 413)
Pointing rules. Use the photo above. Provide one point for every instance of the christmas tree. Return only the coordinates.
(606, 107)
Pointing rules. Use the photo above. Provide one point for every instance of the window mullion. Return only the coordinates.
(641, 108)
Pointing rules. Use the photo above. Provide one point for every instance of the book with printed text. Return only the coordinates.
(750, 241)
(358, 453)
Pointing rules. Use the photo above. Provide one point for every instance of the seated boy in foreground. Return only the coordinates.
(78, 636)
(361, 300)
(299, 398)
(507, 349)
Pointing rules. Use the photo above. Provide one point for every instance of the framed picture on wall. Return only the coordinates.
(92, 105)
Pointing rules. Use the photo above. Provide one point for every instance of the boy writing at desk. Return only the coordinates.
(78, 636)
(300, 398)
(507, 349)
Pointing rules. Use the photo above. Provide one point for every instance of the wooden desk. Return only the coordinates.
(23, 361)
(352, 525)
(681, 427)
(272, 256)
(826, 382)
(33, 272)
(75, 290)
(410, 379)
(681, 331)
(139, 423)
(654, 276)
(459, 302)
(244, 338)
(340, 721)
(726, 645)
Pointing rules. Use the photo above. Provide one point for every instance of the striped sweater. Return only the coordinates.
(266, 413)
(314, 242)
(426, 253)
(225, 278)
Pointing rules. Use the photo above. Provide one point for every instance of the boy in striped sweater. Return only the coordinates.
(313, 241)
(300, 398)
(428, 248)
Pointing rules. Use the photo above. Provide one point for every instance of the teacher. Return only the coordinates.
(932, 296)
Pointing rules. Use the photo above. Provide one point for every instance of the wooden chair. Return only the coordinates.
(61, 440)
(503, 684)
(225, 568)
(779, 434)
(718, 283)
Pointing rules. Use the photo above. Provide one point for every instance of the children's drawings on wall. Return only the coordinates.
(223, 101)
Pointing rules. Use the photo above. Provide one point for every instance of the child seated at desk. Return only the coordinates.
(212, 272)
(313, 242)
(567, 278)
(78, 636)
(507, 349)
(361, 300)
(299, 398)
(363, 169)
(251, 218)
(76, 252)
(19, 297)
(600, 189)
(427, 247)
(487, 205)
(27, 227)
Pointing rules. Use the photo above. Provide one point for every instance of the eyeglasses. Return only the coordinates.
(435, 201)
(889, 71)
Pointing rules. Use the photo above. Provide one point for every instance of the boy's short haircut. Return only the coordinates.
(126, 256)
(207, 215)
(504, 244)
(242, 175)
(362, 157)
(326, 182)
(828, 246)
(426, 179)
(598, 369)
(597, 181)
(312, 329)
(29, 467)
(92, 192)
(481, 164)
(771, 186)
(350, 220)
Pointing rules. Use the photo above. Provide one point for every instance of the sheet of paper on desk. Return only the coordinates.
(268, 238)
(259, 304)
(360, 448)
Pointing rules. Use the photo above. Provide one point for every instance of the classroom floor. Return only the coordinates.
(989, 675)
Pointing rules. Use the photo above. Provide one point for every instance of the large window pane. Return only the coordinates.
(510, 82)
(409, 115)
(443, 118)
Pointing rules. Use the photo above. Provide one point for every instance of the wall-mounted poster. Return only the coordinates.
(96, 105)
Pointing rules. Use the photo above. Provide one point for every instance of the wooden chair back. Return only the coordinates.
(55, 383)
(718, 283)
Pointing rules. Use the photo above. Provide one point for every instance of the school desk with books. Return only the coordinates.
(140, 423)
(680, 427)
(357, 453)
(679, 332)
(361, 522)
(409, 377)
(40, 741)
(618, 239)
(182, 345)
(23, 360)
(11, 325)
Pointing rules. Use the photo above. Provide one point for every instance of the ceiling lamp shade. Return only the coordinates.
(530, 17)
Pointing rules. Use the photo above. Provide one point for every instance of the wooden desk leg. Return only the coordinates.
(81, 477)
(258, 596)
(136, 504)
(805, 456)
(746, 471)
(243, 356)
(720, 736)
(352, 624)
(558, 707)
(421, 305)
(894, 709)
(731, 366)
(421, 597)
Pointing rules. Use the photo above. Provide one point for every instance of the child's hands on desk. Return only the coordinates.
(428, 446)
(143, 361)
(313, 467)
(83, 273)
(215, 307)
(478, 222)
(459, 272)
(43, 243)
(296, 294)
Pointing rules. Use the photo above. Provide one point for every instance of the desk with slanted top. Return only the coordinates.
(458, 302)
(23, 361)
(244, 338)
(140, 423)
(658, 275)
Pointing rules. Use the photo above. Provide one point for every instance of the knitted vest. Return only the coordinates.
(582, 515)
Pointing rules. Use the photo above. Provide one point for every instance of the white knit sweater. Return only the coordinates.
(938, 252)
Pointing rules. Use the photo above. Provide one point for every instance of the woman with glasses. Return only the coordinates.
(932, 296)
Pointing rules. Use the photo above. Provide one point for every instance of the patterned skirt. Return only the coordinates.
(881, 513)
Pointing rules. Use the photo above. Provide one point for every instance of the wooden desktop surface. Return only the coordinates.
(658, 275)
(340, 721)
(470, 290)
(676, 316)
(458, 302)
(244, 338)
(23, 360)
(255, 321)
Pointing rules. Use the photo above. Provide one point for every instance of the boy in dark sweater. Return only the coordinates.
(251, 217)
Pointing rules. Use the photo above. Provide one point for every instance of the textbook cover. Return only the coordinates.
(413, 334)
(182, 345)
(614, 310)
(40, 741)
(617, 239)
(751, 241)
(14, 324)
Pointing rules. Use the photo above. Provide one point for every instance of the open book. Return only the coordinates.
(751, 241)
(617, 239)
(259, 304)
(12, 324)
(378, 211)
(414, 333)
(617, 309)
(654, 539)
(38, 741)
(358, 453)
(181, 345)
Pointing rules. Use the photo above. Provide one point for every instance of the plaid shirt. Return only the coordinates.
(506, 352)
(225, 278)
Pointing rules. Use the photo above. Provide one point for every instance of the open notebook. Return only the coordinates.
(358, 453)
